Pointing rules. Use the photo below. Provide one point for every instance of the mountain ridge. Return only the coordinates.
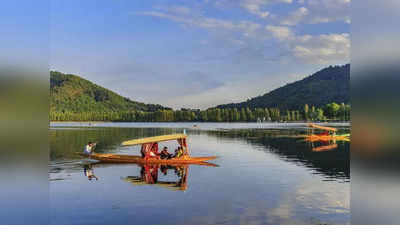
(72, 93)
(330, 84)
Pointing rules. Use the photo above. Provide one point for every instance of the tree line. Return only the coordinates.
(331, 111)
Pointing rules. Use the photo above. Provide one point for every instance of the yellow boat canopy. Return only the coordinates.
(154, 139)
(322, 127)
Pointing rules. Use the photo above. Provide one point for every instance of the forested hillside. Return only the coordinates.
(319, 97)
(331, 84)
(73, 94)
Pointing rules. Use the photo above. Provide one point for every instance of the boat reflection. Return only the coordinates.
(152, 174)
(323, 148)
(149, 175)
(326, 139)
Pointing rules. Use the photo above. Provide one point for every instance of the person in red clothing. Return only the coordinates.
(154, 151)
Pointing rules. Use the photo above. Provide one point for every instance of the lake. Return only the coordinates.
(266, 174)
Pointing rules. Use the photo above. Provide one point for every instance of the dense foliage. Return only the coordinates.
(325, 86)
(73, 94)
(77, 99)
(330, 111)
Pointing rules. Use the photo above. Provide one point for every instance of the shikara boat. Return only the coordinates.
(328, 134)
(150, 145)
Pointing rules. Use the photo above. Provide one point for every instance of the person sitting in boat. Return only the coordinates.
(153, 153)
(165, 154)
(89, 148)
(178, 152)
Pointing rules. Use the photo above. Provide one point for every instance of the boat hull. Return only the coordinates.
(115, 158)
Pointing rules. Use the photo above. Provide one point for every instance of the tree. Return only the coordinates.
(249, 115)
(227, 115)
(218, 115)
(306, 112)
(313, 113)
(342, 112)
(236, 115)
(293, 116)
(320, 114)
(348, 110)
(243, 116)
(203, 116)
(332, 110)
(267, 114)
(288, 116)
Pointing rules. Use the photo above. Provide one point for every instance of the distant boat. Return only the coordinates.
(329, 133)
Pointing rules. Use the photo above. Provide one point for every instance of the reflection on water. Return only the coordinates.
(290, 145)
(88, 171)
(149, 174)
(265, 176)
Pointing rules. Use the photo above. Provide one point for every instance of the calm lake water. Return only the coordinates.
(266, 174)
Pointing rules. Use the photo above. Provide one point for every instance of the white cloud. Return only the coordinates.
(316, 49)
(325, 11)
(203, 22)
(313, 49)
(319, 11)
(175, 9)
(280, 32)
(246, 28)
(256, 7)
(296, 16)
(322, 49)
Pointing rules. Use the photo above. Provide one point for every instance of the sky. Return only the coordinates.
(197, 54)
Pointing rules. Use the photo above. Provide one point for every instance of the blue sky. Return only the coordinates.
(201, 53)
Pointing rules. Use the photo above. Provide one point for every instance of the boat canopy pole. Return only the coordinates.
(183, 144)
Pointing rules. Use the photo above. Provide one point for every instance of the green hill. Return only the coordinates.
(71, 93)
(331, 84)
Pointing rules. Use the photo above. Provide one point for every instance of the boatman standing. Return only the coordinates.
(89, 148)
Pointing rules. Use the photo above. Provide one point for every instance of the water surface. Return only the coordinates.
(267, 174)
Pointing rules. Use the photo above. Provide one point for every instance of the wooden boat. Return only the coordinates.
(314, 137)
(328, 134)
(150, 147)
(117, 158)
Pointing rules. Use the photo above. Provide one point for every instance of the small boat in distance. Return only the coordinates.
(150, 155)
(328, 134)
